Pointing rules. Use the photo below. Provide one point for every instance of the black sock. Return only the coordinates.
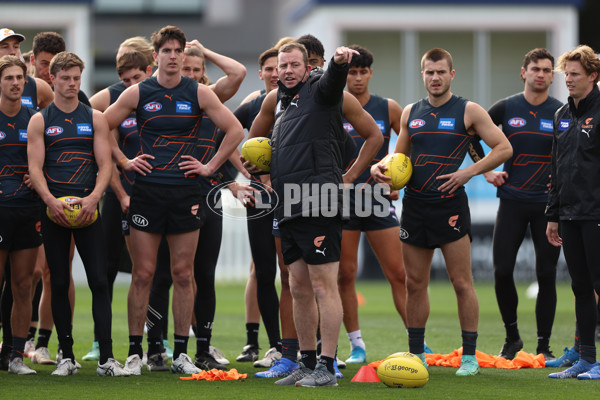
(328, 362)
(155, 345)
(181, 343)
(252, 334)
(105, 347)
(309, 358)
(43, 338)
(203, 337)
(289, 349)
(543, 345)
(512, 332)
(66, 344)
(587, 353)
(416, 340)
(577, 342)
(18, 347)
(31, 332)
(469, 340)
(135, 346)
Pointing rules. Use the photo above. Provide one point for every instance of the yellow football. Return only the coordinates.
(403, 372)
(403, 354)
(399, 169)
(258, 152)
(72, 215)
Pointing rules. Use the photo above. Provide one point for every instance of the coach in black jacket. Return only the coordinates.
(574, 200)
(306, 163)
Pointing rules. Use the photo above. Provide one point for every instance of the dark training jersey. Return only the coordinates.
(129, 138)
(69, 167)
(439, 142)
(29, 96)
(529, 130)
(378, 107)
(168, 122)
(13, 160)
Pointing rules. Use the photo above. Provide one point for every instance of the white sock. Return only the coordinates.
(356, 339)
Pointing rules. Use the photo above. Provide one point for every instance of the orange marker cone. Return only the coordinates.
(366, 373)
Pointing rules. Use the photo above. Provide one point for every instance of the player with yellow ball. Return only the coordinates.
(69, 156)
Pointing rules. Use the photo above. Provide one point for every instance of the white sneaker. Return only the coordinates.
(184, 365)
(218, 355)
(271, 356)
(41, 355)
(65, 367)
(111, 368)
(133, 365)
(17, 366)
(59, 355)
(29, 348)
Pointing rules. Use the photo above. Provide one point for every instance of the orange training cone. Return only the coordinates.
(366, 373)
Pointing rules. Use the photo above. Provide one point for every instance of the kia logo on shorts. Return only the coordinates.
(348, 126)
(129, 123)
(416, 123)
(153, 107)
(139, 220)
(54, 130)
(2, 135)
(517, 122)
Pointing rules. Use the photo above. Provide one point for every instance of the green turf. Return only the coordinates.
(382, 330)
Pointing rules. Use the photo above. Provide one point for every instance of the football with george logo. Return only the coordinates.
(399, 169)
(72, 215)
(258, 152)
(403, 372)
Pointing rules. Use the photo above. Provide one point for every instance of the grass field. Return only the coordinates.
(382, 330)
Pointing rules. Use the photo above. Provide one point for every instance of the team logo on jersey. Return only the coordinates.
(546, 125)
(517, 122)
(563, 125)
(416, 123)
(129, 123)
(152, 107)
(84, 129)
(27, 102)
(588, 124)
(139, 220)
(22, 135)
(54, 130)
(348, 126)
(2, 135)
(183, 107)
(381, 125)
(446, 123)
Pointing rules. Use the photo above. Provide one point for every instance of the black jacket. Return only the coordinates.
(575, 180)
(308, 141)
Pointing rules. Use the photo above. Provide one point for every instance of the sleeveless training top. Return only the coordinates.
(129, 139)
(168, 122)
(29, 96)
(529, 130)
(13, 160)
(378, 108)
(69, 167)
(439, 142)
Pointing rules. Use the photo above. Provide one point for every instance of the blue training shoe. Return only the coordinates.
(338, 373)
(592, 374)
(468, 366)
(428, 349)
(358, 356)
(168, 348)
(578, 368)
(279, 369)
(569, 357)
(422, 358)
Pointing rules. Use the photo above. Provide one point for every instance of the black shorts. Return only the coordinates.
(20, 228)
(165, 209)
(430, 224)
(371, 214)
(316, 240)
